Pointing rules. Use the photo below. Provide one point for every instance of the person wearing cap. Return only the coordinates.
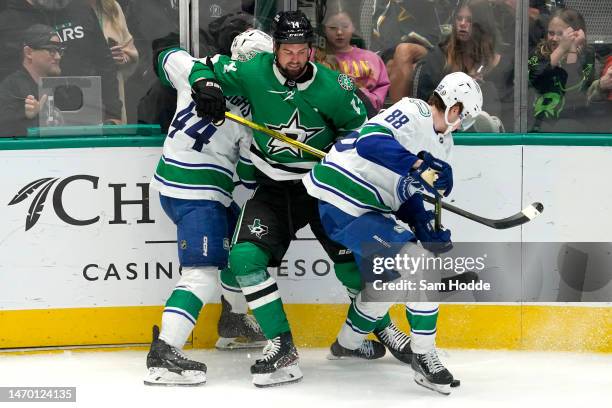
(41, 55)
(87, 52)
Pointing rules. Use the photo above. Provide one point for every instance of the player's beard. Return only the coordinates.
(51, 4)
(291, 72)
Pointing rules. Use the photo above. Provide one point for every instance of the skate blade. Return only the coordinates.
(238, 343)
(162, 377)
(282, 376)
(420, 379)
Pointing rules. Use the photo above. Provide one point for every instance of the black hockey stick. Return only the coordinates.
(525, 215)
(520, 218)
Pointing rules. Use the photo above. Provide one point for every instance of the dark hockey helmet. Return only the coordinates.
(292, 27)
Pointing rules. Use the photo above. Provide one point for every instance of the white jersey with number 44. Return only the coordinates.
(199, 159)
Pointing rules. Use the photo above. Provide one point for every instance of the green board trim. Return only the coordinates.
(462, 139)
(80, 142)
(533, 139)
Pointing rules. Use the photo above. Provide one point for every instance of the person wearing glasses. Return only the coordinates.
(41, 56)
(87, 51)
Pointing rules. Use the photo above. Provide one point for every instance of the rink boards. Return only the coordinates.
(87, 256)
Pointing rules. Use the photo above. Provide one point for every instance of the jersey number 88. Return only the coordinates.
(397, 119)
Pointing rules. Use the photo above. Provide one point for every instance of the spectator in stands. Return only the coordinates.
(504, 17)
(601, 89)
(403, 33)
(221, 32)
(157, 103)
(149, 20)
(470, 48)
(19, 100)
(539, 16)
(560, 72)
(87, 53)
(209, 13)
(120, 41)
(363, 66)
(599, 98)
(504, 12)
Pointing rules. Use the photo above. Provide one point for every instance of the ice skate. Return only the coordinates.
(369, 350)
(237, 330)
(169, 366)
(397, 342)
(279, 364)
(430, 373)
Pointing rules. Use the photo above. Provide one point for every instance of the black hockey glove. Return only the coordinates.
(209, 100)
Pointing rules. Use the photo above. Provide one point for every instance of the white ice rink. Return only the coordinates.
(488, 379)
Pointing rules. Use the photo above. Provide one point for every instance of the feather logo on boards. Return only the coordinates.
(41, 189)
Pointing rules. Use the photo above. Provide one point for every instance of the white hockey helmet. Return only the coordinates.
(249, 43)
(460, 87)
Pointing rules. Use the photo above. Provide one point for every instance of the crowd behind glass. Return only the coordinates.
(391, 48)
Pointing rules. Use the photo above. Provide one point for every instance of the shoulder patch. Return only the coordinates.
(423, 107)
(246, 57)
(346, 82)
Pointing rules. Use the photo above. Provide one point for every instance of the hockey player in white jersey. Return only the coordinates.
(381, 172)
(194, 178)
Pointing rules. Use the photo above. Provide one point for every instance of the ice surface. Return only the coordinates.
(488, 379)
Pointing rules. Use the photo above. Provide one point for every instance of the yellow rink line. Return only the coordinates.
(513, 327)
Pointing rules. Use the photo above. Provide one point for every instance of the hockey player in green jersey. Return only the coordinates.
(380, 172)
(194, 178)
(315, 106)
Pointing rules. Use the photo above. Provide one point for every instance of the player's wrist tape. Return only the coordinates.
(212, 84)
(207, 83)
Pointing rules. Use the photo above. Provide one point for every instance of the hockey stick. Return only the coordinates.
(276, 135)
(526, 215)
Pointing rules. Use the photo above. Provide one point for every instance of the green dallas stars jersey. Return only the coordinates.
(314, 112)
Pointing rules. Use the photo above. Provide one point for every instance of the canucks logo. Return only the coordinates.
(346, 82)
(295, 130)
(422, 106)
(257, 228)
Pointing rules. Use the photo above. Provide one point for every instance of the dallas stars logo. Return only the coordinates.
(257, 228)
(294, 130)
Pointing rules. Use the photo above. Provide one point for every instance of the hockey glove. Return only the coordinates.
(435, 175)
(437, 241)
(412, 210)
(209, 100)
(413, 213)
